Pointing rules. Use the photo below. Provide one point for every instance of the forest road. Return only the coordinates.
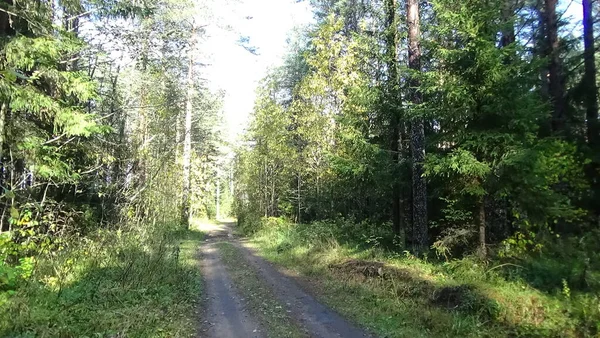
(226, 314)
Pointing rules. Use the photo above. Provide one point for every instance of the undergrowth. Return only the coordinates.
(398, 295)
(108, 284)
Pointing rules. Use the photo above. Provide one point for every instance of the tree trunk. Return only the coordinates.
(508, 31)
(273, 208)
(540, 51)
(6, 20)
(482, 250)
(3, 110)
(142, 133)
(393, 101)
(591, 88)
(591, 100)
(419, 187)
(71, 25)
(187, 143)
(178, 137)
(396, 192)
(555, 82)
(218, 206)
(299, 218)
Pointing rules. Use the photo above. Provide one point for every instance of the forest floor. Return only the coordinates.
(248, 297)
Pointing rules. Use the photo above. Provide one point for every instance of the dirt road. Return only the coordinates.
(228, 314)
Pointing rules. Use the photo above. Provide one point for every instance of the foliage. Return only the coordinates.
(457, 298)
(90, 167)
(145, 284)
(330, 135)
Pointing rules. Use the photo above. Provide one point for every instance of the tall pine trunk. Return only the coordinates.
(482, 250)
(556, 85)
(3, 110)
(540, 51)
(419, 187)
(508, 31)
(393, 99)
(187, 142)
(590, 87)
(591, 99)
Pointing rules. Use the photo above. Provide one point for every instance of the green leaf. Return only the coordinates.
(14, 213)
(9, 194)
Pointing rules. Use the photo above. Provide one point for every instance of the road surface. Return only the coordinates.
(227, 315)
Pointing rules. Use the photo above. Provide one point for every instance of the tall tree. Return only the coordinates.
(589, 78)
(508, 14)
(393, 101)
(590, 89)
(187, 143)
(419, 185)
(556, 84)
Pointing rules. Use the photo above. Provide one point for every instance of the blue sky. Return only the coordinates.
(267, 23)
(574, 12)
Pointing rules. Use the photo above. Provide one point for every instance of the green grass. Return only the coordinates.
(409, 297)
(115, 284)
(263, 305)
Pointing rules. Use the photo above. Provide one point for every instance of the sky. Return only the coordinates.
(573, 11)
(267, 24)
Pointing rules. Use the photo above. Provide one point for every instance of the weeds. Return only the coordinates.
(399, 295)
(134, 284)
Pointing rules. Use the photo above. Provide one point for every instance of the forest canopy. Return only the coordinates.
(109, 140)
(444, 151)
(454, 125)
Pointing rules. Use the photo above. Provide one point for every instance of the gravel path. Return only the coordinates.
(226, 313)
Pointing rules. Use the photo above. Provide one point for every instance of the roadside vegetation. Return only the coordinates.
(94, 209)
(111, 284)
(396, 294)
(434, 167)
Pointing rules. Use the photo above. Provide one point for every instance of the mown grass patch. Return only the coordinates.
(398, 295)
(111, 284)
(271, 314)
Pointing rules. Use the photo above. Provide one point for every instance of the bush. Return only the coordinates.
(539, 295)
(136, 283)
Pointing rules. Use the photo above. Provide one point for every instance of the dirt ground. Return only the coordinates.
(226, 314)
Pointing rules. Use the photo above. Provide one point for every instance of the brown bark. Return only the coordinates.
(187, 143)
(421, 238)
(508, 33)
(590, 86)
(540, 51)
(555, 77)
(3, 110)
(5, 21)
(393, 98)
(482, 250)
(178, 124)
(591, 100)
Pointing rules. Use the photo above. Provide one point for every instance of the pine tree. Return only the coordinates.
(417, 137)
